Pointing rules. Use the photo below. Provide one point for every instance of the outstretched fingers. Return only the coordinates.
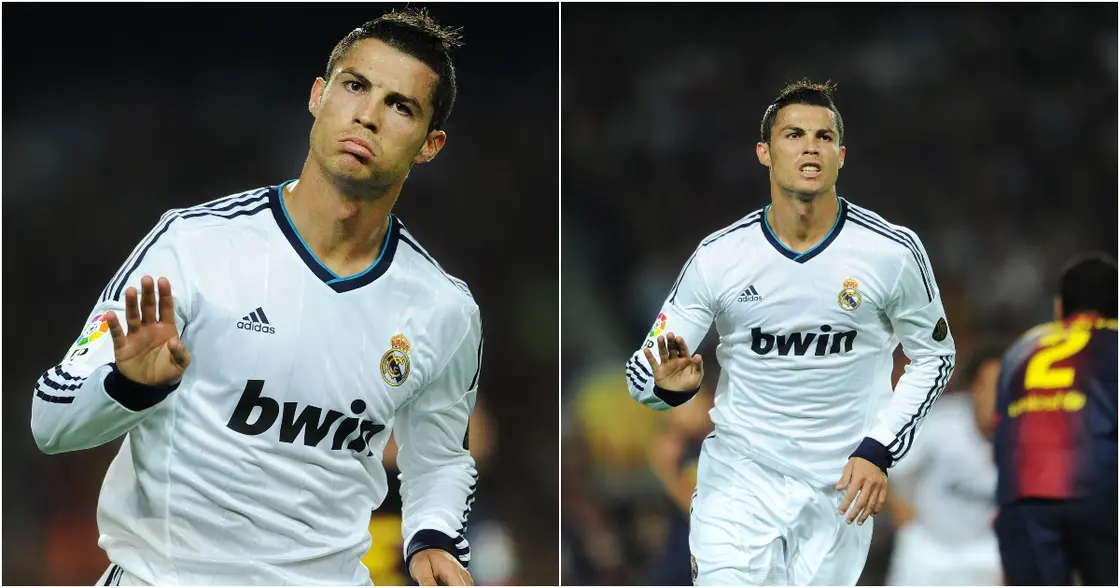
(115, 330)
(131, 309)
(682, 347)
(147, 300)
(663, 349)
(166, 302)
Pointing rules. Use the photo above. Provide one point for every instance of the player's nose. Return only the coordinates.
(370, 115)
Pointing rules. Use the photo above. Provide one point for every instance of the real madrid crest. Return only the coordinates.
(850, 297)
(395, 364)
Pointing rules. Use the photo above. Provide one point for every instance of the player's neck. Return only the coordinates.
(344, 234)
(799, 224)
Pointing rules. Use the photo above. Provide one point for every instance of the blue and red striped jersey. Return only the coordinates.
(1056, 411)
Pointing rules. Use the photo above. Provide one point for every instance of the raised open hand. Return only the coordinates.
(677, 371)
(151, 352)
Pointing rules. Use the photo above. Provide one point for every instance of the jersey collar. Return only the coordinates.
(816, 250)
(328, 277)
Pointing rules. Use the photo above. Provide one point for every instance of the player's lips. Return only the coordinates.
(810, 169)
(357, 146)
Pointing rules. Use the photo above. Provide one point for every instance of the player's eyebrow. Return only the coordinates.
(801, 130)
(406, 99)
(354, 74)
(393, 95)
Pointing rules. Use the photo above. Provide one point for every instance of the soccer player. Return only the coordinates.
(810, 296)
(1055, 438)
(942, 496)
(306, 324)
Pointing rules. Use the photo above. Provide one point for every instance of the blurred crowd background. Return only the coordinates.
(988, 129)
(115, 114)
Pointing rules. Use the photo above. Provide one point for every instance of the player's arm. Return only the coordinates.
(438, 474)
(917, 316)
(662, 374)
(86, 400)
(678, 480)
(989, 423)
(918, 319)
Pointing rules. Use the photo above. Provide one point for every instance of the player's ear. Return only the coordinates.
(763, 152)
(843, 154)
(432, 145)
(317, 89)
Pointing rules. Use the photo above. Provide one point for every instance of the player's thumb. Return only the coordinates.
(179, 353)
(845, 477)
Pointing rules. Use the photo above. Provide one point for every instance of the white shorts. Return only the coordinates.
(918, 559)
(116, 576)
(754, 526)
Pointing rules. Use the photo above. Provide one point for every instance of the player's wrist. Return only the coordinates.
(874, 452)
(430, 539)
(674, 398)
(134, 395)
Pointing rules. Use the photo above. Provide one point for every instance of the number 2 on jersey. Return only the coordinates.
(1041, 373)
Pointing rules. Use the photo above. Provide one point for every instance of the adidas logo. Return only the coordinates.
(749, 295)
(256, 321)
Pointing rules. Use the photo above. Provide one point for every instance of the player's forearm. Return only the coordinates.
(75, 408)
(680, 489)
(895, 429)
(436, 504)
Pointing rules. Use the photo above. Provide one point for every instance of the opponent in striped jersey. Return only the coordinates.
(306, 324)
(1055, 438)
(810, 296)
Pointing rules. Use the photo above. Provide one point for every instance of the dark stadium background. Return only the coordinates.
(115, 113)
(991, 130)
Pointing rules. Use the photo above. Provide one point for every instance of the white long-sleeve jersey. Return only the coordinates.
(806, 342)
(262, 466)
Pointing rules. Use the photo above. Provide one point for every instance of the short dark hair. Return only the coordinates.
(802, 92)
(1088, 284)
(416, 34)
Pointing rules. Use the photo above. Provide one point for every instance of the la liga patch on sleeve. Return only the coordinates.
(98, 327)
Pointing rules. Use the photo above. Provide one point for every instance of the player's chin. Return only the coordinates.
(347, 160)
(355, 168)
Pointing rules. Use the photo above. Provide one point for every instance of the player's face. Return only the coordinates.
(804, 154)
(371, 118)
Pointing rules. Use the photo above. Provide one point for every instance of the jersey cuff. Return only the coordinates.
(429, 539)
(673, 398)
(874, 452)
(133, 395)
